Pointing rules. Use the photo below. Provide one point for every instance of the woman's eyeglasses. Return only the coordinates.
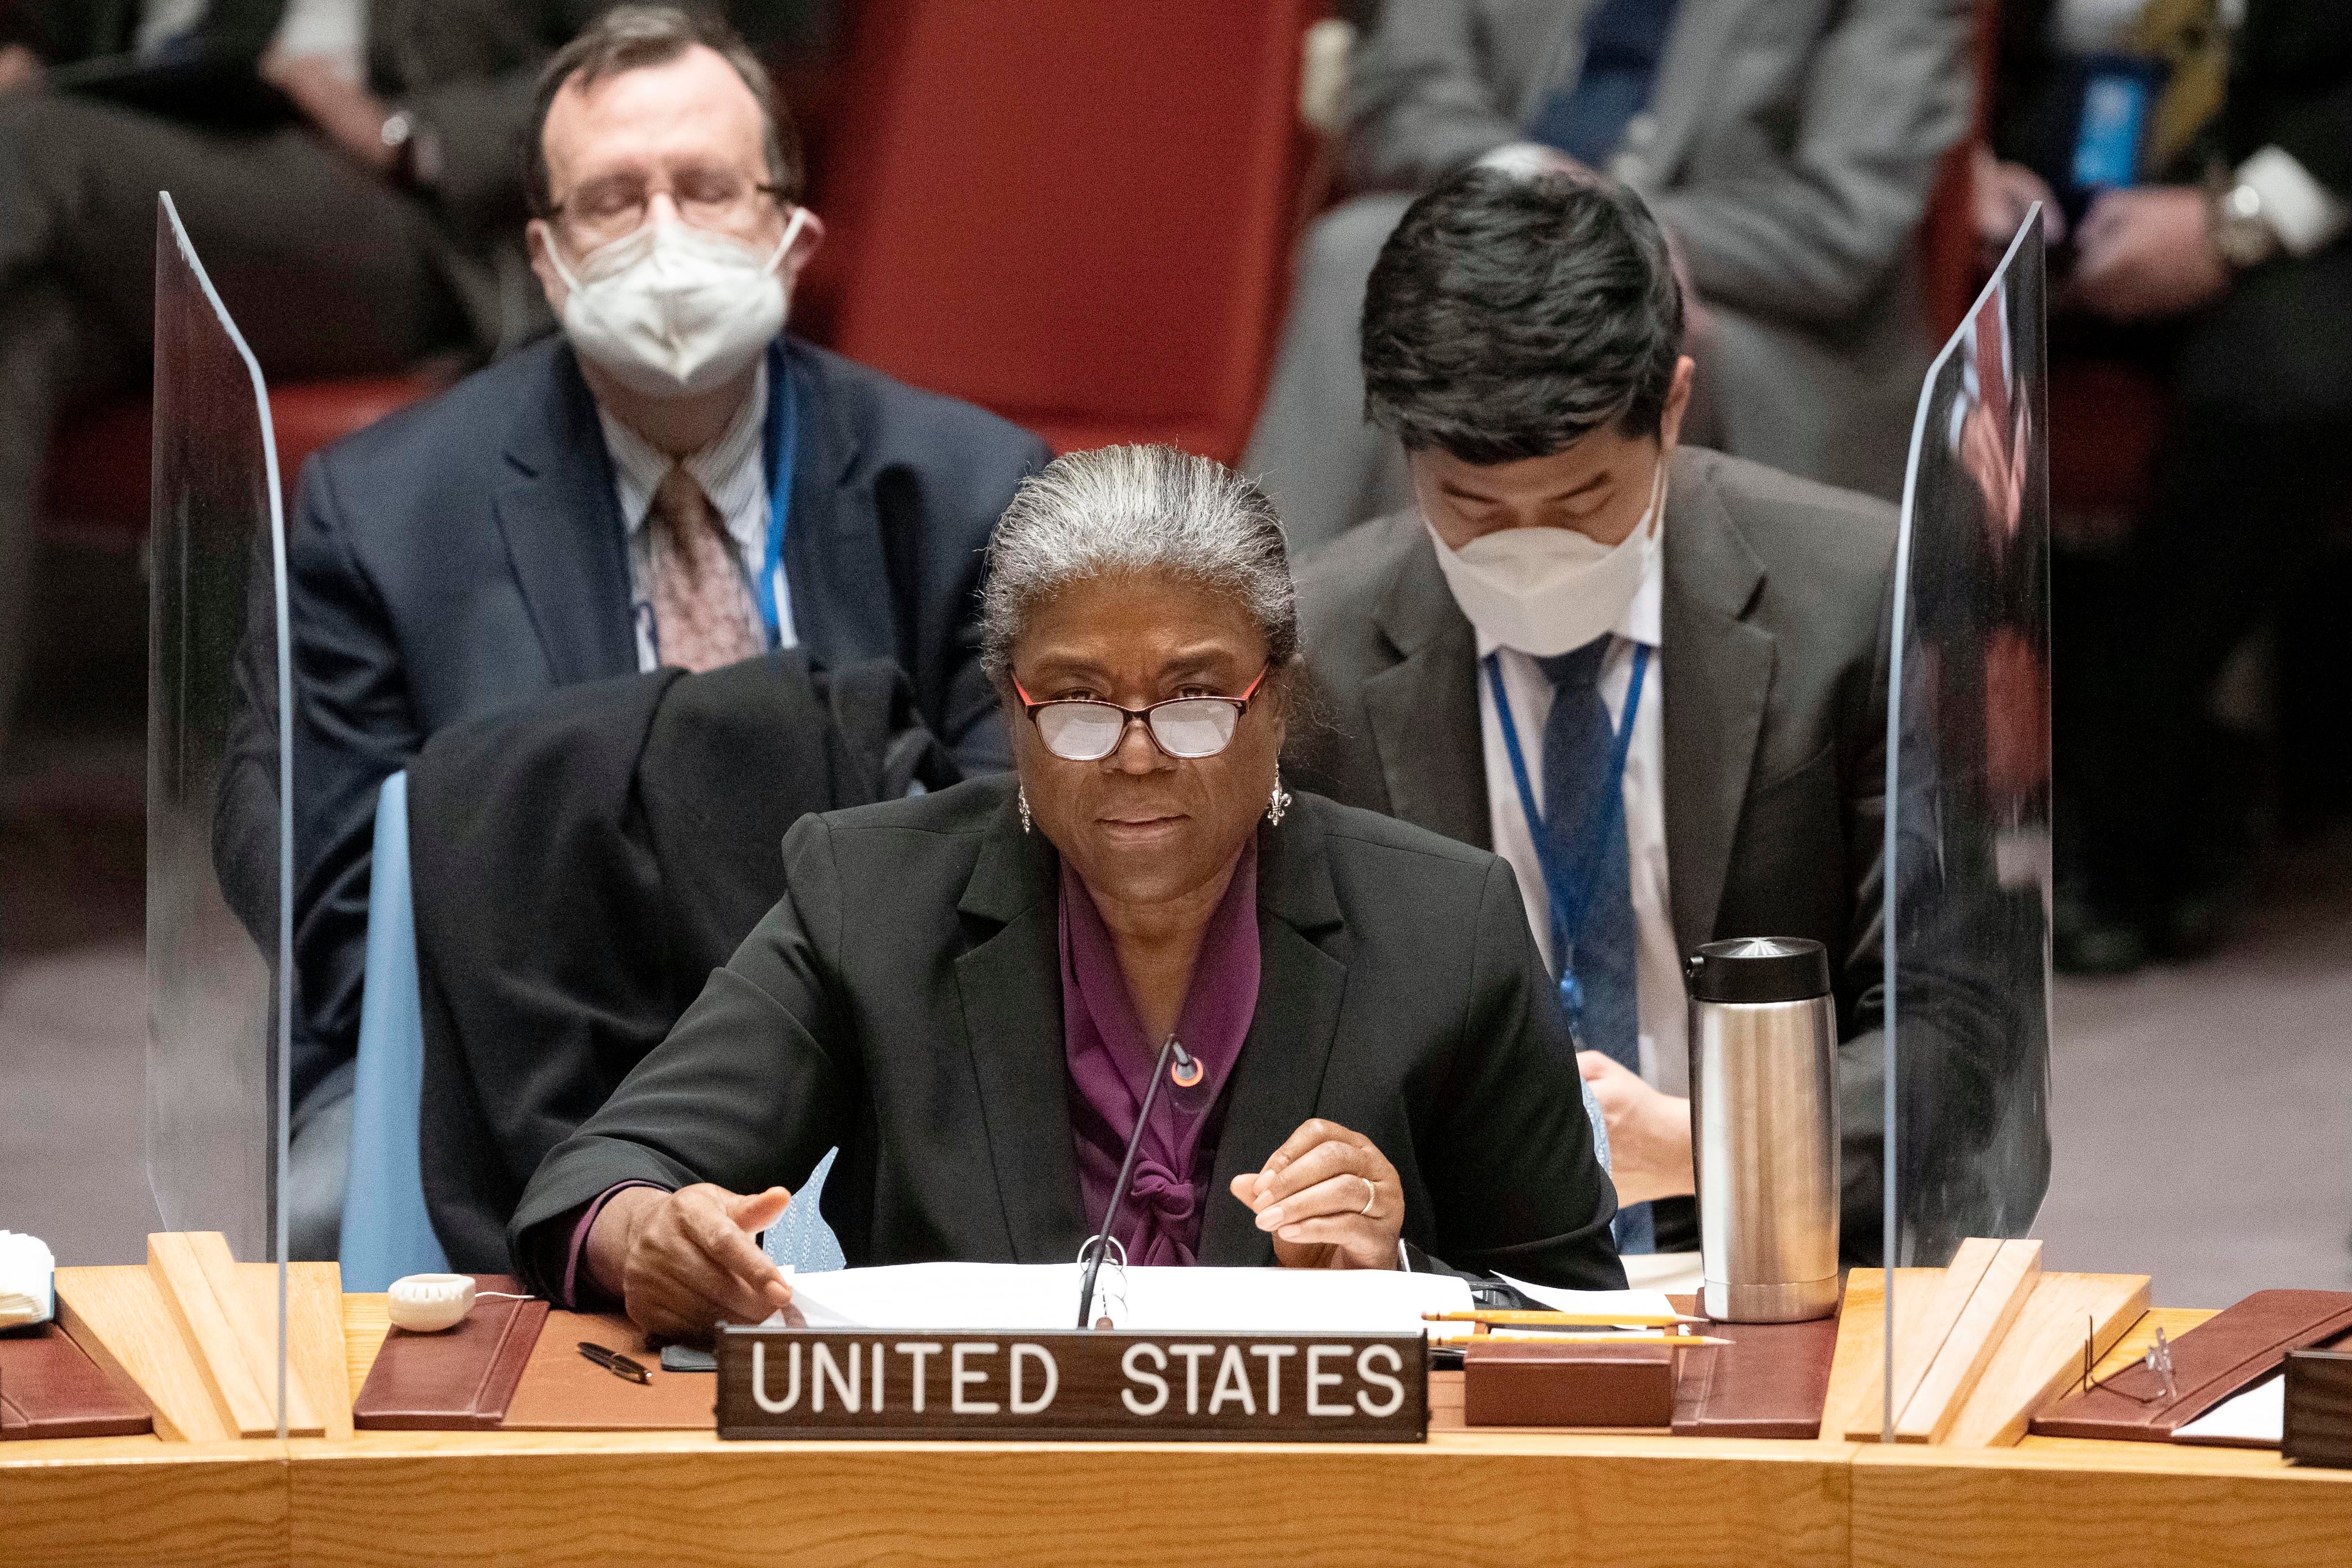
(1080, 729)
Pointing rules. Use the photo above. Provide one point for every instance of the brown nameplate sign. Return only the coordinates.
(1073, 1385)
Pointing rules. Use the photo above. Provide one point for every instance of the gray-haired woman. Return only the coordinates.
(971, 993)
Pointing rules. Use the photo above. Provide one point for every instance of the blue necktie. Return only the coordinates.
(1586, 833)
(1624, 42)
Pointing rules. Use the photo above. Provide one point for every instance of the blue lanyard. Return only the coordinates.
(1567, 892)
(784, 447)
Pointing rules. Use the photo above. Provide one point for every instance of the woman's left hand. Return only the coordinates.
(1330, 1198)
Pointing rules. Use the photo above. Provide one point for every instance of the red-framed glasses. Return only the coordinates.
(1081, 730)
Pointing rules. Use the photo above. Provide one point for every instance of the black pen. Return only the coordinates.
(615, 1363)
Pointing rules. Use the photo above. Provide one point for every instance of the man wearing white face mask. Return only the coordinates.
(673, 481)
(1654, 678)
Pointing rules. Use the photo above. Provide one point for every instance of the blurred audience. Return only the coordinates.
(1788, 146)
(2204, 148)
(671, 481)
(1651, 678)
(346, 170)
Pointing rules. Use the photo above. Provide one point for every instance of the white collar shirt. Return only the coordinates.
(1658, 975)
(733, 473)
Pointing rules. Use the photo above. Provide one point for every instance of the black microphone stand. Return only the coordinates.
(1126, 1171)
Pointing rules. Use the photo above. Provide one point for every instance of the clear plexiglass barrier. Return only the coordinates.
(218, 852)
(1967, 790)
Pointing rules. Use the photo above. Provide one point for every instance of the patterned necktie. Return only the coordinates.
(702, 612)
(1585, 827)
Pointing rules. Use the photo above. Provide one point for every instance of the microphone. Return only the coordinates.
(1185, 1073)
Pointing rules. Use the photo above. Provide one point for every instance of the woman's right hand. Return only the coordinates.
(684, 1262)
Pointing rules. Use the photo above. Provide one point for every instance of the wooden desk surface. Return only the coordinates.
(552, 1498)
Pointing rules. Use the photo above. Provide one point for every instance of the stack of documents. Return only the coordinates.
(1152, 1300)
(28, 1280)
(1164, 1301)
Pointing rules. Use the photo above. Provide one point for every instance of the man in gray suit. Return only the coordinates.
(1788, 146)
(1651, 678)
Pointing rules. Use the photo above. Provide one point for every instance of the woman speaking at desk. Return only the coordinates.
(968, 992)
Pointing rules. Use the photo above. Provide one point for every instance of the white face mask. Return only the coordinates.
(671, 310)
(1544, 591)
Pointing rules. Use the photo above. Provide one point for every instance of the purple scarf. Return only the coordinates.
(1111, 1060)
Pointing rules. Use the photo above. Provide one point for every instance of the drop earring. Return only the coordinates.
(1025, 808)
(1278, 802)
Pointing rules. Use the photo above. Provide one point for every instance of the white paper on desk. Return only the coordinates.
(27, 1276)
(2255, 1419)
(1632, 1303)
(1198, 1300)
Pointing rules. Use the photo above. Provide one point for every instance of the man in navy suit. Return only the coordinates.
(672, 481)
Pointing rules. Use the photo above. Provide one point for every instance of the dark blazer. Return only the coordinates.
(1775, 626)
(903, 1001)
(580, 868)
(469, 553)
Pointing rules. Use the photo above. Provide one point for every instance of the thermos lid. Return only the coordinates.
(1759, 969)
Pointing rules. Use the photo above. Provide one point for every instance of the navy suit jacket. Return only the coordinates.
(469, 553)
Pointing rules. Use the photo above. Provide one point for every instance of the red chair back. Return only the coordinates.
(100, 459)
(1076, 213)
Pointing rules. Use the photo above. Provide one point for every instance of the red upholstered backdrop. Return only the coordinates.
(1076, 213)
(100, 464)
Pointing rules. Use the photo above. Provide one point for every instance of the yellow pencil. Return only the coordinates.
(1676, 1342)
(1515, 1320)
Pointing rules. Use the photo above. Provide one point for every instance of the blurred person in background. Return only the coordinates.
(346, 169)
(671, 480)
(2204, 150)
(1788, 147)
(1651, 678)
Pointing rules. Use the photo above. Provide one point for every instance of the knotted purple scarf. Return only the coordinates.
(1110, 1059)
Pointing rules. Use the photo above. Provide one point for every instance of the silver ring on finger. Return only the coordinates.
(1371, 1192)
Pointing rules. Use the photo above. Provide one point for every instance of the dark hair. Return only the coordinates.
(1509, 316)
(633, 38)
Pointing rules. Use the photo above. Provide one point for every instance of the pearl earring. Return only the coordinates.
(1025, 808)
(1278, 802)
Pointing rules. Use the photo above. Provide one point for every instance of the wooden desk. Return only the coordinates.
(549, 1498)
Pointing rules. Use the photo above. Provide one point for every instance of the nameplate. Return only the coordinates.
(1073, 1385)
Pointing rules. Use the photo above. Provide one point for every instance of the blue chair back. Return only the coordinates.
(387, 1231)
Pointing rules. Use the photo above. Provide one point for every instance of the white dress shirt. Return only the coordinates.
(336, 29)
(733, 473)
(1657, 965)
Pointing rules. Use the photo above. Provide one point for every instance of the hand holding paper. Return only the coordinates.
(683, 1262)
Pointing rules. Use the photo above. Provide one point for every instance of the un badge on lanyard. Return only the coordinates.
(1567, 891)
(1571, 1002)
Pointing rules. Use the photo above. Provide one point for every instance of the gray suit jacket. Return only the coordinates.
(1775, 626)
(1791, 146)
(903, 1000)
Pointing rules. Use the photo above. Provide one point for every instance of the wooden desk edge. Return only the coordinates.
(366, 1322)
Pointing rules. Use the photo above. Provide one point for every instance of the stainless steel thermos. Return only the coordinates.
(1764, 1129)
